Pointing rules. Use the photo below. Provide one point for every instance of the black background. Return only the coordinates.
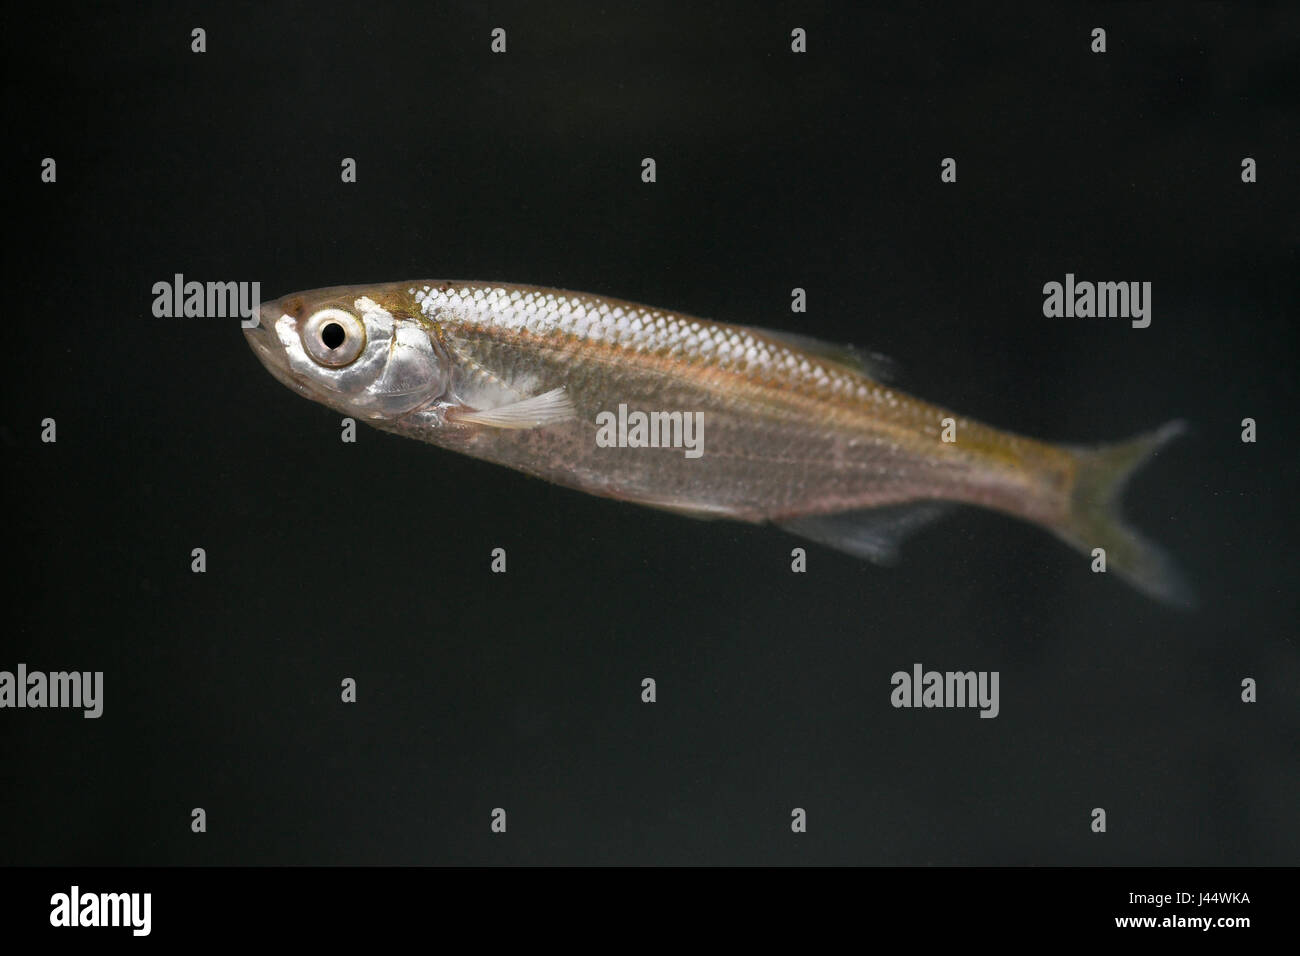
(521, 691)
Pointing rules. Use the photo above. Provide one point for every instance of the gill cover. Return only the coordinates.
(396, 369)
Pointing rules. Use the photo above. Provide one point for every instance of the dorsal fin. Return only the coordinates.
(873, 365)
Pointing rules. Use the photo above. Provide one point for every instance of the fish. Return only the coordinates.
(697, 417)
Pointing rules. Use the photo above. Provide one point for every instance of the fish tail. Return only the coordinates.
(1094, 519)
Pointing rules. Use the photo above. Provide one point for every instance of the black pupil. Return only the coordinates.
(332, 335)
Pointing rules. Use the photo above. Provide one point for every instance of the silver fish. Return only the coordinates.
(698, 417)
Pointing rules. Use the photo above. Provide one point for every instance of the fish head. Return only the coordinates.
(363, 352)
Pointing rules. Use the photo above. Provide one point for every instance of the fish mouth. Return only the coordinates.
(264, 340)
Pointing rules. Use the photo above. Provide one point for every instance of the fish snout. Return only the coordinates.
(264, 338)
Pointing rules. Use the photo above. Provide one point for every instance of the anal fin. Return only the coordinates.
(871, 533)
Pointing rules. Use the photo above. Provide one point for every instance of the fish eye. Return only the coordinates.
(333, 337)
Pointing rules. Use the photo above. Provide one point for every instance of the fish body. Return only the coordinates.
(704, 418)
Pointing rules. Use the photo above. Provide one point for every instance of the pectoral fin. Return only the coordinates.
(548, 408)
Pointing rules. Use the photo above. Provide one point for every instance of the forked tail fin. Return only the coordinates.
(1094, 520)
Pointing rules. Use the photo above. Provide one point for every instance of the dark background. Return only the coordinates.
(521, 690)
